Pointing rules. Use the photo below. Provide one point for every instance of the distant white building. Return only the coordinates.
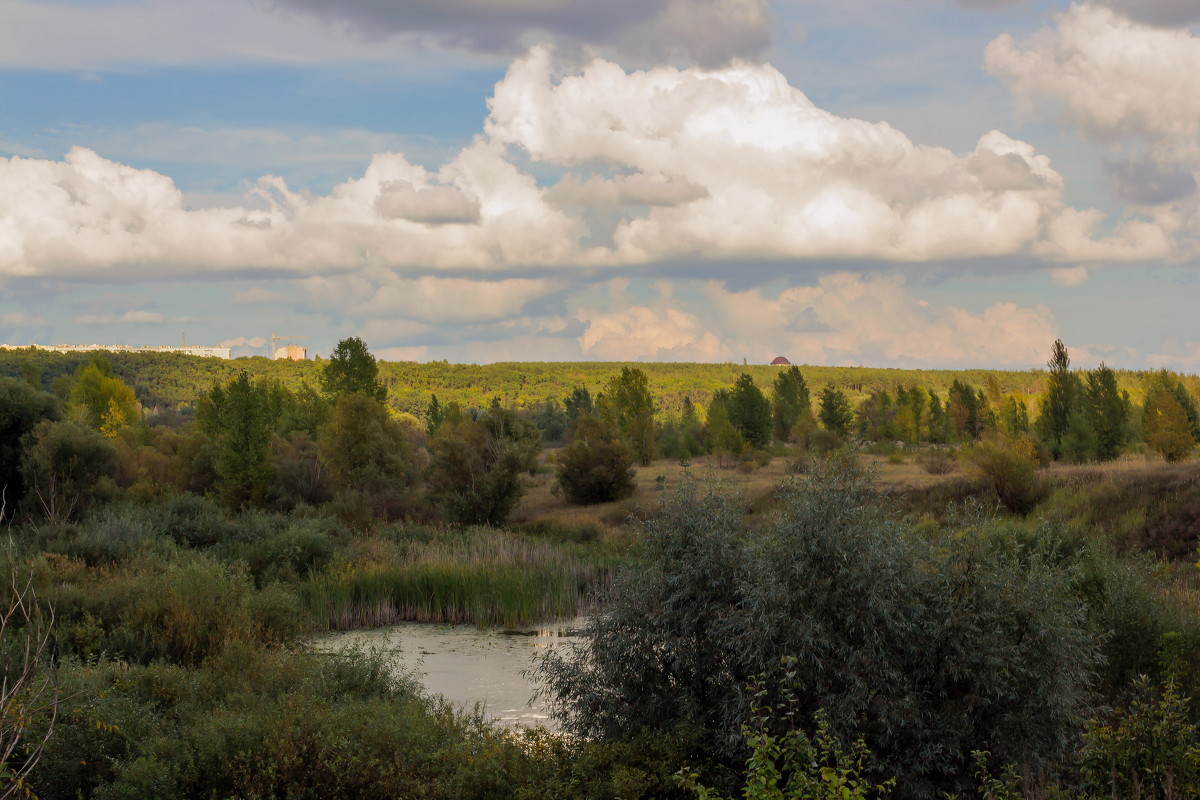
(190, 350)
(291, 352)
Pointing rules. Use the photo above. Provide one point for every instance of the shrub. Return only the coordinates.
(597, 466)
(1010, 466)
(1152, 751)
(792, 766)
(476, 465)
(824, 441)
(21, 408)
(66, 468)
(926, 647)
(938, 462)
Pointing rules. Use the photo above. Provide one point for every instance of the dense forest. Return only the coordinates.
(172, 380)
(1009, 626)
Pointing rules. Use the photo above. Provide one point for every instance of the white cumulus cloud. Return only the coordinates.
(659, 165)
(1110, 77)
(775, 176)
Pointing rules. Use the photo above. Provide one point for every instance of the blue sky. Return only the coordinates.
(879, 182)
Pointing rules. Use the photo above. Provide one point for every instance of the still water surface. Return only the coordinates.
(468, 665)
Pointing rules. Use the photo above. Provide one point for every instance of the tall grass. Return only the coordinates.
(481, 576)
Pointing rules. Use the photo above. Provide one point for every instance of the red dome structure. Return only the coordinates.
(780, 361)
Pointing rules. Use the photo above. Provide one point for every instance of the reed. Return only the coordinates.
(480, 576)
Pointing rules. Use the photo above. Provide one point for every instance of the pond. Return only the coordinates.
(468, 665)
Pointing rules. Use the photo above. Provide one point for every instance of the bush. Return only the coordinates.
(66, 468)
(1152, 751)
(792, 766)
(21, 408)
(597, 466)
(1010, 466)
(926, 647)
(824, 441)
(476, 465)
(938, 462)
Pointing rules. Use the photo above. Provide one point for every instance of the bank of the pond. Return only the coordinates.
(467, 665)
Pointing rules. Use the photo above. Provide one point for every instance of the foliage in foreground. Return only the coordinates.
(926, 647)
(792, 766)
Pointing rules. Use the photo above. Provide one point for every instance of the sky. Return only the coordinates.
(889, 183)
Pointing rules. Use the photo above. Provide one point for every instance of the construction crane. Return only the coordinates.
(275, 339)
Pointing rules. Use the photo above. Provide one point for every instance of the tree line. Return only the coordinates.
(256, 442)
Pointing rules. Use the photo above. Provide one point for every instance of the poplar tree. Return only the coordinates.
(1062, 393)
(836, 414)
(790, 403)
(750, 412)
(237, 417)
(1108, 411)
(632, 411)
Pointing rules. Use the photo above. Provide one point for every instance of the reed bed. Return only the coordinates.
(480, 576)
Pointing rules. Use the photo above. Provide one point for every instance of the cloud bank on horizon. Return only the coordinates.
(698, 207)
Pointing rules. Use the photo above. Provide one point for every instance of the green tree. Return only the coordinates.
(552, 420)
(1108, 411)
(750, 412)
(370, 459)
(939, 420)
(434, 415)
(597, 466)
(1166, 381)
(691, 431)
(876, 418)
(910, 414)
(1061, 398)
(632, 410)
(790, 403)
(962, 408)
(303, 410)
(237, 417)
(101, 400)
(351, 368)
(66, 468)
(723, 438)
(475, 465)
(1079, 444)
(1166, 426)
(578, 403)
(21, 409)
(363, 446)
(836, 414)
(1010, 466)
(1014, 417)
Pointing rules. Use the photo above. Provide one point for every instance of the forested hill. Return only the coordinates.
(175, 380)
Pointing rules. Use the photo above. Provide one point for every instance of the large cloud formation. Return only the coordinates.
(656, 165)
(1110, 77)
(1129, 86)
